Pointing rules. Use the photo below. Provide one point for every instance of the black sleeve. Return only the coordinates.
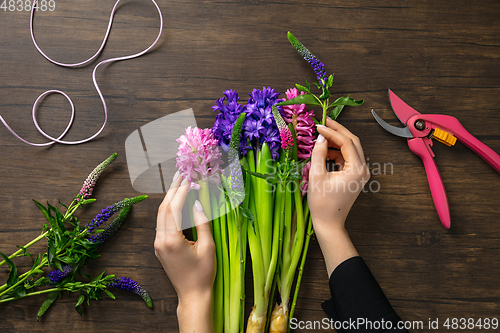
(358, 303)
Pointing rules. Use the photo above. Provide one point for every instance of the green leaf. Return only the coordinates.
(99, 277)
(51, 251)
(62, 204)
(302, 88)
(329, 83)
(51, 297)
(326, 93)
(269, 177)
(85, 275)
(346, 101)
(80, 301)
(37, 261)
(79, 310)
(45, 212)
(59, 218)
(109, 294)
(308, 87)
(18, 292)
(86, 202)
(336, 111)
(247, 212)
(13, 277)
(57, 264)
(25, 251)
(307, 99)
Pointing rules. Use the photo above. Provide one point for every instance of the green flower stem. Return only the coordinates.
(42, 264)
(191, 201)
(22, 278)
(257, 235)
(277, 235)
(225, 260)
(235, 245)
(71, 210)
(287, 236)
(325, 110)
(219, 281)
(15, 254)
(69, 213)
(309, 234)
(259, 273)
(324, 106)
(265, 165)
(242, 239)
(271, 299)
(32, 294)
(279, 216)
(296, 247)
(204, 195)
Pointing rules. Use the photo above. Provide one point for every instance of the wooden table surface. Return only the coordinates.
(439, 56)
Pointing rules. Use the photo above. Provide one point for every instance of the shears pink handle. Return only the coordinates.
(421, 144)
(454, 127)
(422, 149)
(420, 130)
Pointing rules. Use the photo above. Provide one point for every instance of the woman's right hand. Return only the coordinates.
(330, 195)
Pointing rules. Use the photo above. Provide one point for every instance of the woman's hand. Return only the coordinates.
(331, 194)
(189, 265)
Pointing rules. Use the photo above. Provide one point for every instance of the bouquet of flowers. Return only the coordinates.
(262, 203)
(69, 245)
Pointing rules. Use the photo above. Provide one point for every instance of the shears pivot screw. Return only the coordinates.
(420, 125)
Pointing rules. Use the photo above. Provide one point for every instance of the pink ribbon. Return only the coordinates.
(80, 64)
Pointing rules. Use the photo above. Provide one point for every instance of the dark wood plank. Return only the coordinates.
(440, 57)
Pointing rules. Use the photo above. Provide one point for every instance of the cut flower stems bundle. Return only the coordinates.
(260, 199)
(69, 245)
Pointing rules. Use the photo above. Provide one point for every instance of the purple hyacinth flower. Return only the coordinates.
(263, 98)
(225, 120)
(132, 286)
(259, 125)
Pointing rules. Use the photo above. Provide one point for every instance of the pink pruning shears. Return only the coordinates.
(420, 129)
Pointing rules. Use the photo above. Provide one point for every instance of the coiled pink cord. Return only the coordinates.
(83, 63)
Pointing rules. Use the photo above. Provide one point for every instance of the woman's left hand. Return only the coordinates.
(189, 265)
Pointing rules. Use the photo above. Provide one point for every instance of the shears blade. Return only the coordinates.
(403, 132)
(402, 110)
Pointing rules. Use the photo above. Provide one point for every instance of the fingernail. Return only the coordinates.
(329, 118)
(184, 182)
(198, 206)
(319, 125)
(320, 139)
(176, 176)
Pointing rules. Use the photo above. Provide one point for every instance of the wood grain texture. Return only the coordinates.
(439, 56)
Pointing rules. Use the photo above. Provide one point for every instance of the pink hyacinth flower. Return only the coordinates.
(303, 123)
(199, 157)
